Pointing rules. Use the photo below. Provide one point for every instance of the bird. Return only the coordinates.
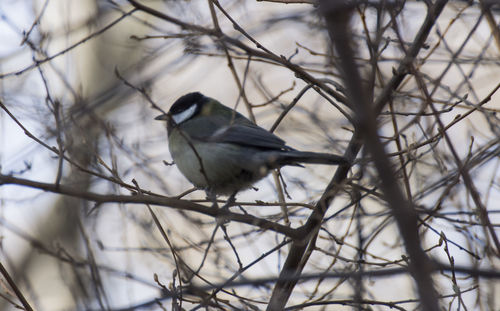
(221, 151)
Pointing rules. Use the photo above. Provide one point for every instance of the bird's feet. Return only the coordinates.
(221, 218)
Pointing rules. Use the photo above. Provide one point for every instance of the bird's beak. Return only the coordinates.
(163, 117)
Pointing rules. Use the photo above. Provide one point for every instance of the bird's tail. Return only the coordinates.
(295, 157)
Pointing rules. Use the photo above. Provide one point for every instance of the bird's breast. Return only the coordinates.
(222, 167)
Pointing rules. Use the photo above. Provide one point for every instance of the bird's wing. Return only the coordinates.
(248, 135)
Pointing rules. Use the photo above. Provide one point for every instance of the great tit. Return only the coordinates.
(221, 151)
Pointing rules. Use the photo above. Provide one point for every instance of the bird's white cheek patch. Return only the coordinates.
(184, 115)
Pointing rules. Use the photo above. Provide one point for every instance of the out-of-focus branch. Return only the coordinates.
(462, 169)
(15, 288)
(337, 18)
(155, 200)
(495, 29)
(38, 62)
(298, 254)
(383, 273)
(265, 54)
(230, 63)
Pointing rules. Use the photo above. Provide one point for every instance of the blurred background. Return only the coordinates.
(78, 78)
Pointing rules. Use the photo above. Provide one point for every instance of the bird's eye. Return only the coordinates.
(184, 115)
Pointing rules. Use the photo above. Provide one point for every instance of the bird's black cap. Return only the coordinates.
(186, 101)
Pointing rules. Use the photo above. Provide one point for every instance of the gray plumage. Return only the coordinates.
(220, 150)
